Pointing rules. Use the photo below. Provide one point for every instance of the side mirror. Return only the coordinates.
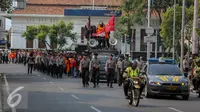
(186, 74)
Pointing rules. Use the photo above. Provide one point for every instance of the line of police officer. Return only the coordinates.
(88, 65)
(50, 64)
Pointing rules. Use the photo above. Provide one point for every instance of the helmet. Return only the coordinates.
(134, 62)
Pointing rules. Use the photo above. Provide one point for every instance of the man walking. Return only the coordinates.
(84, 68)
(95, 67)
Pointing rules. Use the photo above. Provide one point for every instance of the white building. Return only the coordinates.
(2, 30)
(52, 11)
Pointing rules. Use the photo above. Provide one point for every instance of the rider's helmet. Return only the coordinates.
(134, 64)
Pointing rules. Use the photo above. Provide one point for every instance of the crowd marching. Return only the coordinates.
(54, 64)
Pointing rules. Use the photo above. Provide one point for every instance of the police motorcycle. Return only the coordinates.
(134, 90)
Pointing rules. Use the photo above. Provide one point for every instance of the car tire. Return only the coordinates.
(146, 93)
(185, 97)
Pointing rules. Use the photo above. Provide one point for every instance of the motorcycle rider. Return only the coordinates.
(196, 78)
(131, 72)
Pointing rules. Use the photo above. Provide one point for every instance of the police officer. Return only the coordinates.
(196, 78)
(84, 65)
(125, 63)
(95, 67)
(110, 69)
(61, 64)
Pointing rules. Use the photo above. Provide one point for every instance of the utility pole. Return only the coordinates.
(174, 26)
(182, 35)
(93, 5)
(194, 35)
(156, 44)
(125, 44)
(148, 42)
(195, 40)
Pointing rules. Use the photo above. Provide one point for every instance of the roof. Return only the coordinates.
(76, 2)
(56, 7)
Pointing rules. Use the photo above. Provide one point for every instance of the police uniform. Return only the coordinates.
(85, 70)
(61, 64)
(95, 67)
(110, 69)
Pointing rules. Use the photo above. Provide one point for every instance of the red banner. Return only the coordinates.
(110, 25)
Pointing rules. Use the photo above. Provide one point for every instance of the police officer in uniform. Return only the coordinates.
(95, 67)
(84, 65)
(125, 63)
(110, 69)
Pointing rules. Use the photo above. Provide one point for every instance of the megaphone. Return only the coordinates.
(113, 41)
(92, 43)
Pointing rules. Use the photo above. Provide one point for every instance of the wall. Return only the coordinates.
(19, 26)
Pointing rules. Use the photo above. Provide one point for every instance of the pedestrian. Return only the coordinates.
(95, 68)
(110, 68)
(84, 68)
(30, 61)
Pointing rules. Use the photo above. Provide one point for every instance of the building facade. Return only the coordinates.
(51, 11)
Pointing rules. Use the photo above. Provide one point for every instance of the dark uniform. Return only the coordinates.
(85, 62)
(95, 67)
(110, 69)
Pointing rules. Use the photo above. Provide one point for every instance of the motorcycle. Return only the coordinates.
(134, 91)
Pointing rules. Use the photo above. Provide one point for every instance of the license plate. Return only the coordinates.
(171, 88)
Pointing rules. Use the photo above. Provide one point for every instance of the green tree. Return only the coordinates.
(30, 33)
(5, 5)
(167, 25)
(42, 34)
(58, 33)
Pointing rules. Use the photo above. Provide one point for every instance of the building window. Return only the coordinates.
(143, 46)
(19, 4)
(41, 44)
(29, 43)
(1, 23)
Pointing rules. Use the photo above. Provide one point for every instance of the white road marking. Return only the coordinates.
(38, 75)
(51, 82)
(175, 109)
(44, 78)
(61, 88)
(8, 92)
(75, 97)
(97, 110)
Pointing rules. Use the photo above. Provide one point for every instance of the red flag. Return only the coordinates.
(111, 25)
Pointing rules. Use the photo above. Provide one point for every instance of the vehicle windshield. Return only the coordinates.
(164, 69)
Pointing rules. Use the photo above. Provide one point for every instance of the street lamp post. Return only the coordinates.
(194, 35)
(182, 35)
(148, 42)
(174, 25)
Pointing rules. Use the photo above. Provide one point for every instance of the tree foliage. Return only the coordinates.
(30, 33)
(57, 33)
(5, 5)
(167, 25)
(132, 13)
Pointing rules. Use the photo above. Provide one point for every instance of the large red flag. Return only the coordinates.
(111, 24)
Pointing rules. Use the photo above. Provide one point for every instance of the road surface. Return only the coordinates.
(41, 93)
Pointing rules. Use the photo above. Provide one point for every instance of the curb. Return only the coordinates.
(1, 93)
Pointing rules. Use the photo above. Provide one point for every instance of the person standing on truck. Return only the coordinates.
(95, 67)
(110, 69)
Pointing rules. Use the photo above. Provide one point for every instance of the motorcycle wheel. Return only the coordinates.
(136, 97)
(130, 95)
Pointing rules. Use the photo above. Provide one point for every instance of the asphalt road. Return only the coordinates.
(41, 93)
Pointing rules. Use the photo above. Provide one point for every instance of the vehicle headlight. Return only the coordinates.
(135, 82)
(184, 83)
(154, 83)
